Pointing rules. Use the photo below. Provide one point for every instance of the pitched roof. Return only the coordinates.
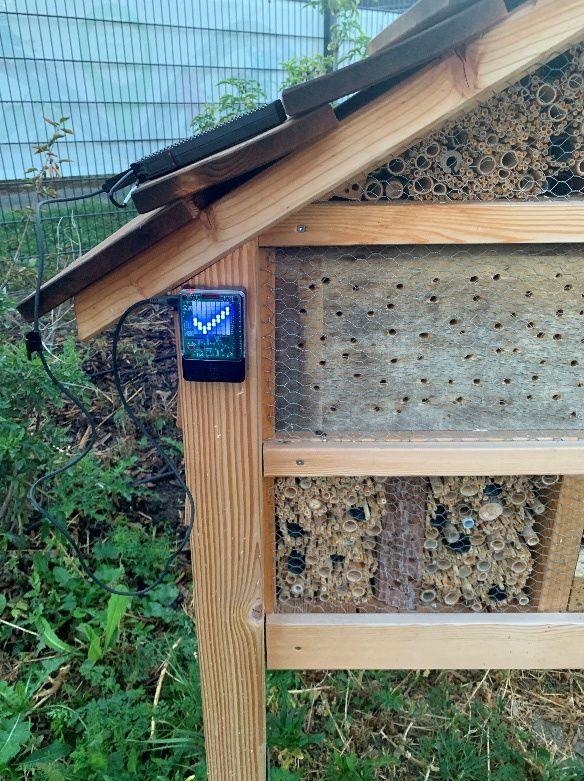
(384, 116)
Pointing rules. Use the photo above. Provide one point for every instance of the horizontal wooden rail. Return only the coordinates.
(296, 458)
(422, 641)
(503, 222)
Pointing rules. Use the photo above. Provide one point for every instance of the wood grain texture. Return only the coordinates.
(236, 161)
(445, 89)
(421, 642)
(414, 52)
(267, 261)
(428, 338)
(295, 458)
(399, 574)
(561, 530)
(576, 603)
(418, 17)
(222, 424)
(504, 222)
(127, 242)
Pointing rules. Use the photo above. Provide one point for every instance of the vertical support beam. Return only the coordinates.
(560, 544)
(268, 383)
(222, 427)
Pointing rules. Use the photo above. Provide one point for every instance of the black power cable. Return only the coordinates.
(34, 345)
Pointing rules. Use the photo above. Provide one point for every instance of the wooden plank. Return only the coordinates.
(499, 222)
(425, 46)
(421, 641)
(420, 16)
(296, 458)
(446, 89)
(127, 242)
(236, 161)
(267, 261)
(560, 530)
(222, 425)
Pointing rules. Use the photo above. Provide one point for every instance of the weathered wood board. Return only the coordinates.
(372, 339)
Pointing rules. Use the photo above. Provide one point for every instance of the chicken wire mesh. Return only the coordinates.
(525, 142)
(438, 342)
(381, 342)
(389, 544)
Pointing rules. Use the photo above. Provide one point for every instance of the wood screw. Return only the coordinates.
(301, 228)
(299, 462)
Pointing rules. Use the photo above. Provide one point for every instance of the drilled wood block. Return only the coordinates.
(427, 338)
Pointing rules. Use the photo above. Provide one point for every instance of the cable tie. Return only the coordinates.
(34, 343)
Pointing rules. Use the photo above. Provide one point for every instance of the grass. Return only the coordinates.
(97, 689)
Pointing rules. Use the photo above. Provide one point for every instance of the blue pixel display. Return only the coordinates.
(210, 317)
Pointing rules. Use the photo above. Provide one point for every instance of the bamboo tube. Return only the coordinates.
(305, 484)
(549, 479)
(420, 185)
(484, 565)
(530, 537)
(451, 597)
(297, 589)
(373, 190)
(430, 544)
(428, 595)
(519, 566)
(396, 166)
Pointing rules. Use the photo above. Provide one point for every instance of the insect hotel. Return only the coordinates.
(398, 481)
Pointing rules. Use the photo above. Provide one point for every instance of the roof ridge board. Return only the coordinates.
(129, 240)
(414, 52)
(231, 163)
(416, 18)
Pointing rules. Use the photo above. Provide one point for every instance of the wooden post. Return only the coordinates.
(222, 426)
(560, 538)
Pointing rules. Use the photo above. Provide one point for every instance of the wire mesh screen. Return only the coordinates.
(525, 142)
(379, 544)
(384, 341)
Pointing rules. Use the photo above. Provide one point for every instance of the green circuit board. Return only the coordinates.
(212, 325)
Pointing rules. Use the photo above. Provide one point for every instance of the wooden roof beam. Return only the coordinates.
(527, 37)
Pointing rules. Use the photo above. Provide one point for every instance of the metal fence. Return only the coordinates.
(132, 75)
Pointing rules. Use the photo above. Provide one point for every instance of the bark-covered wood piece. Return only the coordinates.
(127, 242)
(232, 163)
(422, 48)
(400, 544)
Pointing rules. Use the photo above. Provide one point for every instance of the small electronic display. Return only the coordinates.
(212, 327)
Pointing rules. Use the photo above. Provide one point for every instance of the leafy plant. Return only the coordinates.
(246, 95)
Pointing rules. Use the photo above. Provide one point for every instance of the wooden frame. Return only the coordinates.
(416, 641)
(222, 430)
(298, 458)
(500, 222)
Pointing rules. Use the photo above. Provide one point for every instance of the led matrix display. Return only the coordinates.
(212, 334)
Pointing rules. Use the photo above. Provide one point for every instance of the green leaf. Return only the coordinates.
(13, 734)
(51, 639)
(51, 122)
(116, 607)
(48, 754)
(2, 602)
